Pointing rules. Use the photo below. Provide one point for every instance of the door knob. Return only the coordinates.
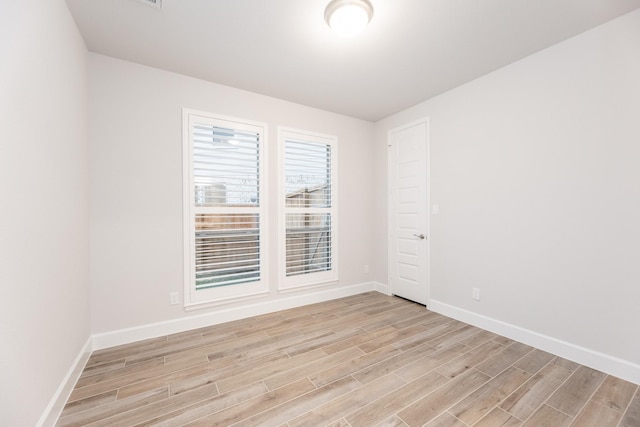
(420, 236)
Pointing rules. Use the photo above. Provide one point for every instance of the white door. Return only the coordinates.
(408, 219)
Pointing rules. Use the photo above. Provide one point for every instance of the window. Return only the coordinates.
(223, 208)
(308, 217)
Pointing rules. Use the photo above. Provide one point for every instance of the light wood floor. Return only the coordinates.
(366, 360)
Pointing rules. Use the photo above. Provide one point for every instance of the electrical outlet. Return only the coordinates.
(174, 298)
(475, 294)
(366, 268)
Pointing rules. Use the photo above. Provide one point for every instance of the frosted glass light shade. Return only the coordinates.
(348, 17)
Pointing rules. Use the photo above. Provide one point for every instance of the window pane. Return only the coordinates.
(307, 174)
(225, 167)
(308, 243)
(227, 249)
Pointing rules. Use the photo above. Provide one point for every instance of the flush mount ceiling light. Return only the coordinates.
(155, 3)
(348, 17)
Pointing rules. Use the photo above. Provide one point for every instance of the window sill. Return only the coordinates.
(312, 285)
(225, 301)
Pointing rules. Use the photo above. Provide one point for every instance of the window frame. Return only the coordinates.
(295, 282)
(200, 298)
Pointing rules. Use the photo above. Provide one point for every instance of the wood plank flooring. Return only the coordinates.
(366, 360)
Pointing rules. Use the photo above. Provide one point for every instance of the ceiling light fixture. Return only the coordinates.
(155, 3)
(348, 17)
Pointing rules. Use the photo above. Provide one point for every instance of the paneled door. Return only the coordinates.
(408, 184)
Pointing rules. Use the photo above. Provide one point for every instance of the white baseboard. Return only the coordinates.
(56, 405)
(382, 288)
(126, 336)
(602, 362)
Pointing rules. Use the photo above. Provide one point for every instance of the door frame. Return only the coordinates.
(390, 205)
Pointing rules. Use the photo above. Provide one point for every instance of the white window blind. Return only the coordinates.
(309, 208)
(225, 212)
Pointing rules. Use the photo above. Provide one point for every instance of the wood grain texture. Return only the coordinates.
(481, 401)
(498, 418)
(437, 402)
(546, 416)
(615, 393)
(446, 420)
(571, 396)
(362, 361)
(632, 415)
(384, 407)
(596, 415)
(525, 400)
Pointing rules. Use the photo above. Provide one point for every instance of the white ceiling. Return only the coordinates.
(411, 51)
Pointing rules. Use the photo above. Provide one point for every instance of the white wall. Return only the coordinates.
(44, 222)
(136, 187)
(536, 170)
